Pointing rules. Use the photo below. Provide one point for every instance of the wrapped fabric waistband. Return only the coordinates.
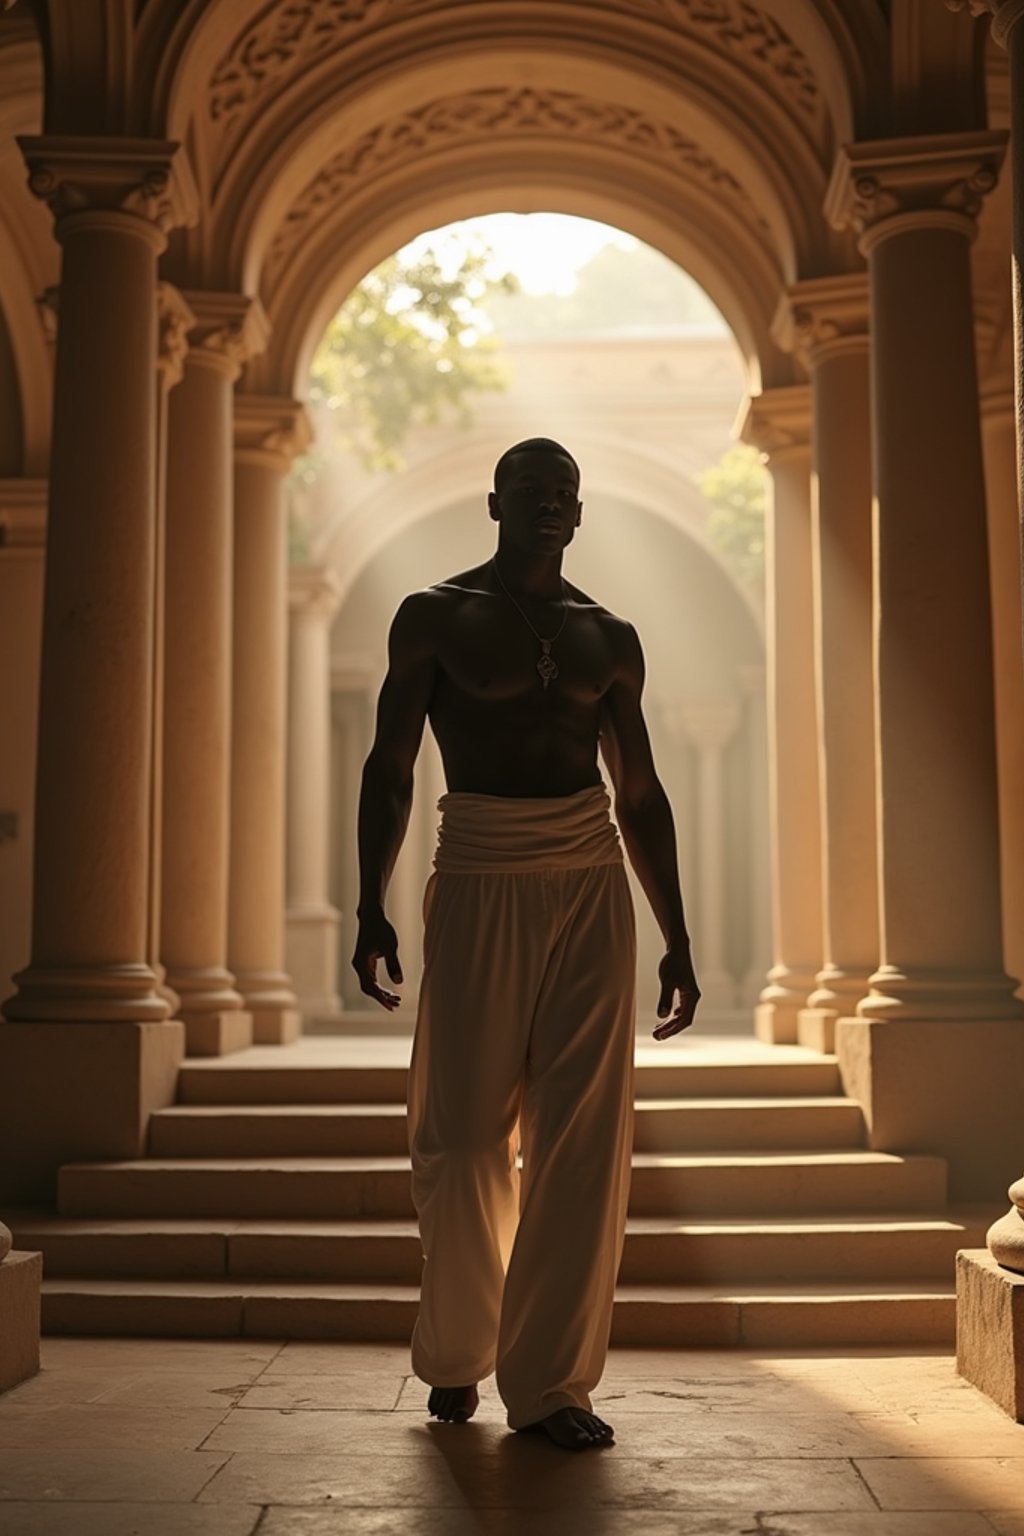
(481, 834)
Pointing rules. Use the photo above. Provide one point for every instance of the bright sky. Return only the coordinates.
(544, 250)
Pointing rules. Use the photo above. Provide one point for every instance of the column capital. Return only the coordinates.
(883, 187)
(270, 430)
(822, 317)
(314, 590)
(86, 175)
(229, 328)
(777, 421)
(1004, 14)
(174, 321)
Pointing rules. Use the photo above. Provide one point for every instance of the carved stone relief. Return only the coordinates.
(489, 114)
(284, 37)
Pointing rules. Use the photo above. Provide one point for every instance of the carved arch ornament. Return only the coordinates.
(500, 113)
(284, 37)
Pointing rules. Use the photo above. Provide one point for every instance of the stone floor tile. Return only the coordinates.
(355, 1390)
(657, 1394)
(49, 1388)
(220, 1388)
(290, 1521)
(150, 1477)
(1006, 1523)
(299, 1359)
(326, 1431)
(885, 1522)
(524, 1472)
(980, 1482)
(82, 1426)
(74, 1519)
(247, 1356)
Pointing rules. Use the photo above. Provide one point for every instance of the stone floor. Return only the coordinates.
(133, 1437)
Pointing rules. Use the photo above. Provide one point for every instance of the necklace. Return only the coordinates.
(545, 663)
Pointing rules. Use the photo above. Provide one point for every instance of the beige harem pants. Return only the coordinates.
(526, 1013)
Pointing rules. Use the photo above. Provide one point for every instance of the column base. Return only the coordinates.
(778, 1008)
(98, 994)
(276, 1026)
(21, 1279)
(311, 957)
(816, 1029)
(990, 1329)
(74, 1092)
(217, 1034)
(950, 1087)
(940, 994)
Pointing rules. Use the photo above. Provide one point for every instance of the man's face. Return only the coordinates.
(538, 504)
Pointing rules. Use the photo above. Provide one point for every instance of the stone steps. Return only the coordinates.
(368, 1129)
(276, 1201)
(726, 1183)
(902, 1313)
(657, 1250)
(258, 1077)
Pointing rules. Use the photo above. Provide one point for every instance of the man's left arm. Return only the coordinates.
(644, 816)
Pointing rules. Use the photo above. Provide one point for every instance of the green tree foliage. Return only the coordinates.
(405, 349)
(736, 488)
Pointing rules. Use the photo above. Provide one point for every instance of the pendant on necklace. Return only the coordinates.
(546, 665)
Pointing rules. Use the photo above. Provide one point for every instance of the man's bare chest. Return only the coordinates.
(490, 653)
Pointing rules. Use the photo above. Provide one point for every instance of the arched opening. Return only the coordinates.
(644, 388)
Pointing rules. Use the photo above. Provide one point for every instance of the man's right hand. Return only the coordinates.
(377, 940)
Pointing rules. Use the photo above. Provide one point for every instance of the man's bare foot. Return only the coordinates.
(453, 1404)
(575, 1429)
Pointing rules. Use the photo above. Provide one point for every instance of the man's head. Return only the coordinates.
(533, 480)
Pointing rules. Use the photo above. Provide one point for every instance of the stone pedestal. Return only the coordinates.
(779, 423)
(268, 433)
(990, 1329)
(825, 321)
(21, 1276)
(311, 923)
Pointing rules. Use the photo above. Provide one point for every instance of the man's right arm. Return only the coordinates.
(385, 797)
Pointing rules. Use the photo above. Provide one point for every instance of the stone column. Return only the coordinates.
(311, 926)
(89, 981)
(228, 329)
(825, 321)
(710, 726)
(941, 1011)
(268, 434)
(174, 320)
(752, 683)
(779, 423)
(999, 446)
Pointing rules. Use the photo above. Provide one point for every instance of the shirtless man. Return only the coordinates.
(523, 677)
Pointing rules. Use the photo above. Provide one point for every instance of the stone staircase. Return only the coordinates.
(274, 1201)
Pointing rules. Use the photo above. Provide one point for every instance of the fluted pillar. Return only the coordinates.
(779, 423)
(113, 200)
(228, 328)
(941, 1012)
(825, 321)
(710, 726)
(174, 318)
(311, 928)
(268, 433)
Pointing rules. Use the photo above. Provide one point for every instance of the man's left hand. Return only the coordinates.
(675, 973)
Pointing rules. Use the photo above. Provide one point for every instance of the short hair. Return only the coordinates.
(503, 468)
